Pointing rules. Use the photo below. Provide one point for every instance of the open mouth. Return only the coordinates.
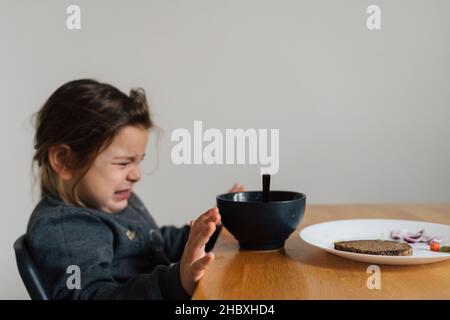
(123, 194)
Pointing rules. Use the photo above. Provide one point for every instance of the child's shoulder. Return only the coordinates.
(136, 203)
(139, 207)
(51, 213)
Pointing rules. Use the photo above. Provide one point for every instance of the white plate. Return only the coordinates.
(323, 235)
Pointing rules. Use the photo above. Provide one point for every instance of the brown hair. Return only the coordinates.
(84, 115)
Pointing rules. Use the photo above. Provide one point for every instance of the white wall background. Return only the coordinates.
(363, 115)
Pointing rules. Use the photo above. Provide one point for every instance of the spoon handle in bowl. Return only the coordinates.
(266, 187)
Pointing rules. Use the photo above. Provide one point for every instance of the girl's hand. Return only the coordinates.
(195, 260)
(237, 187)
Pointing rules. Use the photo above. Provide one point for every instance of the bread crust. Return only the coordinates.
(375, 247)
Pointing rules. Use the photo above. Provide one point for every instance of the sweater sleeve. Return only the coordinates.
(174, 241)
(83, 240)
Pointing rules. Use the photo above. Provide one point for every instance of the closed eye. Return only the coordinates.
(123, 164)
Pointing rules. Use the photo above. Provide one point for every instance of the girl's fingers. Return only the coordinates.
(202, 237)
(199, 266)
(217, 218)
(214, 216)
(195, 226)
(202, 228)
(211, 214)
(198, 242)
(237, 187)
(233, 188)
(192, 232)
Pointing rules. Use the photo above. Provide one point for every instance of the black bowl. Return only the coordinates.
(259, 225)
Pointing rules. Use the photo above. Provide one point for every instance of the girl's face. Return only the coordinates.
(108, 183)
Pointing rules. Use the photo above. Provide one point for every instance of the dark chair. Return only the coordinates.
(28, 271)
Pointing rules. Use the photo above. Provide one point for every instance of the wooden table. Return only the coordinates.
(301, 271)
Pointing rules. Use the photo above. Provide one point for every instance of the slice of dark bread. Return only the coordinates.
(377, 247)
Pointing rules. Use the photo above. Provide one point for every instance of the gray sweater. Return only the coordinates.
(120, 256)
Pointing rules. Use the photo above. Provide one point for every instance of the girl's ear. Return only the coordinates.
(58, 156)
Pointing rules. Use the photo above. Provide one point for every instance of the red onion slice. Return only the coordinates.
(410, 240)
(414, 237)
(417, 235)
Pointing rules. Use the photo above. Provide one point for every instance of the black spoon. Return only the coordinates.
(266, 187)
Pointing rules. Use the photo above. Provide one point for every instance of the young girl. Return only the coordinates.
(90, 139)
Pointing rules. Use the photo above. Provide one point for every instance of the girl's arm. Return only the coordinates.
(62, 240)
(174, 241)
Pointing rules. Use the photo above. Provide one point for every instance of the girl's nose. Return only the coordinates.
(135, 173)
